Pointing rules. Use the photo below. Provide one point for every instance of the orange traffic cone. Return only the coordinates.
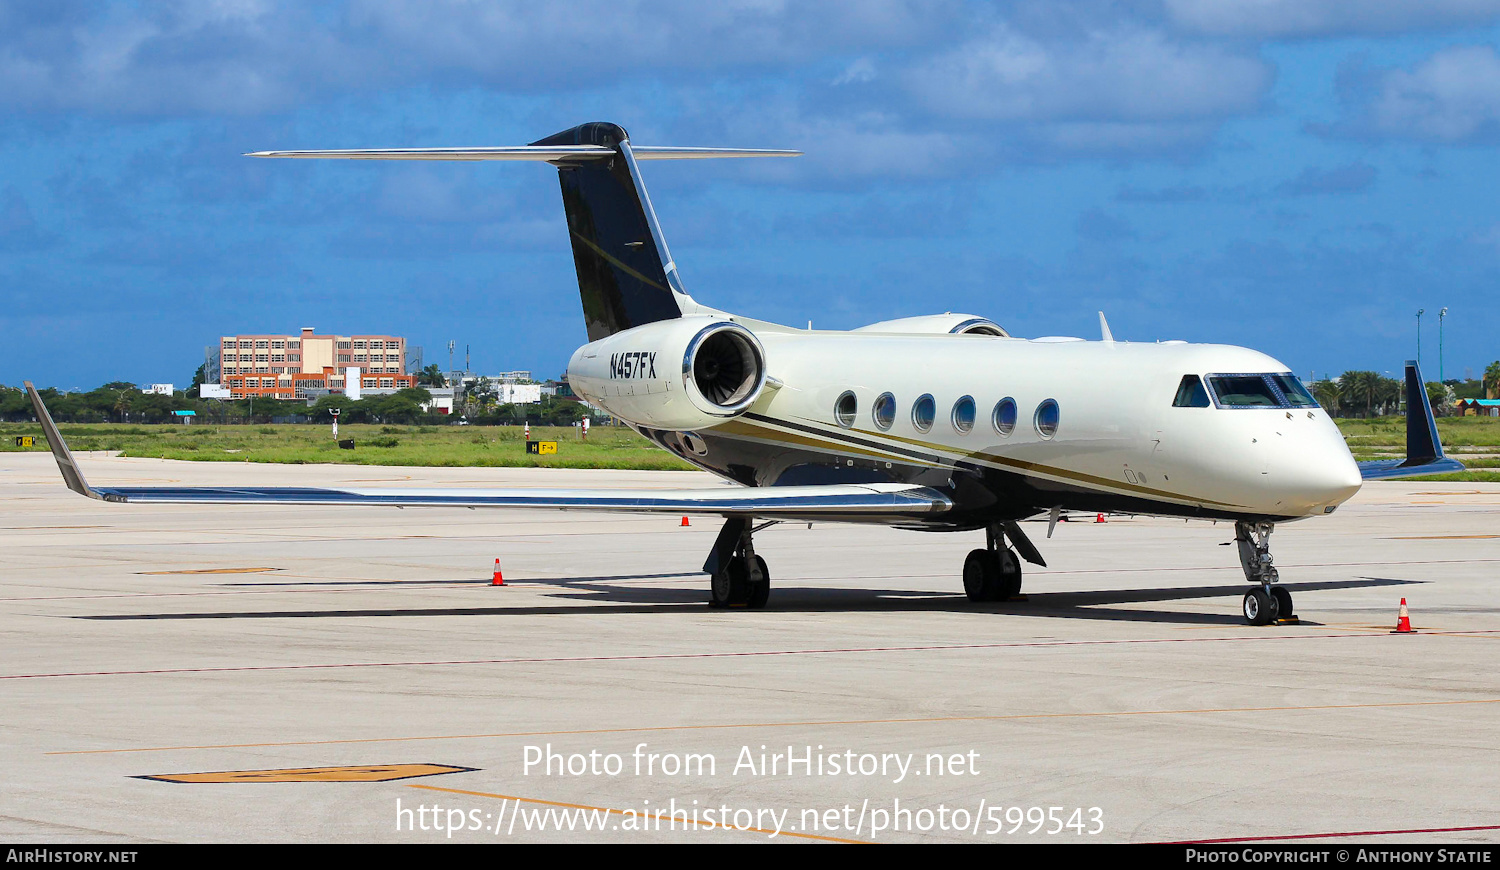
(685, 523)
(1403, 621)
(1099, 518)
(499, 580)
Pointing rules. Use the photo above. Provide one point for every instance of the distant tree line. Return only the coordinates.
(1371, 394)
(123, 402)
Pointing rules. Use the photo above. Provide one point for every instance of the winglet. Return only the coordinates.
(71, 475)
(1422, 444)
(1424, 450)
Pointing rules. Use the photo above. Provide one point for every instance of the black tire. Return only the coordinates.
(1283, 602)
(1259, 607)
(731, 586)
(760, 592)
(982, 576)
(1010, 575)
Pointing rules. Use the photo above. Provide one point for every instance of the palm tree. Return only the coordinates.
(1358, 389)
(432, 376)
(123, 402)
(1492, 381)
(1327, 394)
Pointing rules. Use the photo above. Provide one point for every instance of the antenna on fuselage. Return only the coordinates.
(1104, 329)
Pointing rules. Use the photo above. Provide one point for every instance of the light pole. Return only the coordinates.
(1441, 314)
(1419, 336)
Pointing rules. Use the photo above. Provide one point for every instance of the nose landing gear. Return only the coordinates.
(1271, 602)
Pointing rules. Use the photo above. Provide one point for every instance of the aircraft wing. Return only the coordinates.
(858, 501)
(1424, 450)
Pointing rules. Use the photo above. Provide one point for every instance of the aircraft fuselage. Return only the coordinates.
(1119, 443)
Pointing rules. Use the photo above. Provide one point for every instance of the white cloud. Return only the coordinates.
(1451, 97)
(1305, 18)
(1127, 74)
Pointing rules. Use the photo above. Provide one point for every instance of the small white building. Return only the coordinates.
(158, 389)
(518, 394)
(442, 400)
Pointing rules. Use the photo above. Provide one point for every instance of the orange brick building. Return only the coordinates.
(287, 366)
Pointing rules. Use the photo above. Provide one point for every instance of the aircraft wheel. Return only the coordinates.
(1010, 575)
(731, 586)
(1260, 608)
(1283, 602)
(760, 592)
(982, 576)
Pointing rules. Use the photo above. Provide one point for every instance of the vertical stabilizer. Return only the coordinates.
(625, 273)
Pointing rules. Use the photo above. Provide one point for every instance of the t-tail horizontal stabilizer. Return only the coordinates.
(1424, 451)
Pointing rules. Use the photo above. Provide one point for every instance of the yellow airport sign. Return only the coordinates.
(541, 447)
(25, 441)
(364, 773)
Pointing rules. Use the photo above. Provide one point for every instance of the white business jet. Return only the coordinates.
(938, 423)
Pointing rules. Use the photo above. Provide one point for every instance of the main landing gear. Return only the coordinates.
(994, 573)
(739, 577)
(1269, 602)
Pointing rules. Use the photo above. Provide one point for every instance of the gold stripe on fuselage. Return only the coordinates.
(833, 442)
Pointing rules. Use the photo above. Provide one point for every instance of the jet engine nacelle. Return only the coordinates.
(938, 324)
(686, 373)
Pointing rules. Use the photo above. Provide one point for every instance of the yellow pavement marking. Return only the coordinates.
(805, 724)
(362, 773)
(214, 571)
(634, 814)
(1443, 537)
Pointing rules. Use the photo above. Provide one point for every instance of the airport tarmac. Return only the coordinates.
(1124, 700)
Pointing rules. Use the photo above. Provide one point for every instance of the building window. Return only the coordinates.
(343, 345)
(376, 345)
(294, 344)
(294, 357)
(244, 345)
(359, 357)
(262, 343)
(343, 357)
(278, 344)
(261, 357)
(359, 345)
(369, 382)
(278, 357)
(387, 382)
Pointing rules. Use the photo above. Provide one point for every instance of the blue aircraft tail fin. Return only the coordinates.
(1424, 450)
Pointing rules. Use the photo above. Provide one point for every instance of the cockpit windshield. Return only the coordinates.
(1296, 395)
(1261, 391)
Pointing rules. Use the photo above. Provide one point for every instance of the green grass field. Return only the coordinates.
(607, 447)
(460, 446)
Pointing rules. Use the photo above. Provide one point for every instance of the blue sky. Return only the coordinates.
(1297, 176)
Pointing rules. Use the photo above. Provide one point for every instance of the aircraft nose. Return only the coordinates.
(1323, 474)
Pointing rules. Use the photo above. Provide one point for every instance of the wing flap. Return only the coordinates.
(780, 501)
